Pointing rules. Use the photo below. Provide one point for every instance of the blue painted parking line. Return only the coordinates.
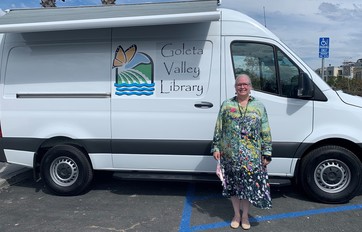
(186, 215)
(308, 213)
(185, 225)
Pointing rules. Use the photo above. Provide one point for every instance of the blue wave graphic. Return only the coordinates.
(135, 89)
(135, 85)
(134, 93)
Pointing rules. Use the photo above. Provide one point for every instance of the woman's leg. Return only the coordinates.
(245, 216)
(235, 222)
(236, 206)
(245, 208)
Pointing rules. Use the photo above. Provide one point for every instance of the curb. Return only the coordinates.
(11, 174)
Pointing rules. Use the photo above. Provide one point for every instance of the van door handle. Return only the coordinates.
(204, 105)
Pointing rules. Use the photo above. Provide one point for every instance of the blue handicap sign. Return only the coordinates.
(324, 42)
(323, 55)
(324, 47)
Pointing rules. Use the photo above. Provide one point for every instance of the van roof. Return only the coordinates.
(247, 26)
(88, 17)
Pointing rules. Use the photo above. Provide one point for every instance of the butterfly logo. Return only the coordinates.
(122, 57)
(133, 72)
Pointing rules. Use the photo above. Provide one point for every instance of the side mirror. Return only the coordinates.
(305, 86)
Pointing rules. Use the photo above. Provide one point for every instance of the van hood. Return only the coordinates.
(350, 99)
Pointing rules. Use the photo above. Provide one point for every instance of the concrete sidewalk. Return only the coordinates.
(12, 173)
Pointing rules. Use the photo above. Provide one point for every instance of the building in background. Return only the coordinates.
(330, 71)
(358, 69)
(348, 70)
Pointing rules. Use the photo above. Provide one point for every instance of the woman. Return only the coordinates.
(242, 143)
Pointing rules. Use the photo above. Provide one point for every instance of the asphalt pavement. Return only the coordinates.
(12, 173)
(115, 204)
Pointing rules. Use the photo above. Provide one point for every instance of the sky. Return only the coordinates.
(298, 23)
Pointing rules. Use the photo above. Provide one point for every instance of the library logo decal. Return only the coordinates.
(134, 72)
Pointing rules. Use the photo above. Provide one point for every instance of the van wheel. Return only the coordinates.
(331, 174)
(66, 170)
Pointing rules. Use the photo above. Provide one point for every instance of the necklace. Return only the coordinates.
(242, 113)
(242, 117)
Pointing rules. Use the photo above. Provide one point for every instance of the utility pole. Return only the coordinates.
(323, 70)
(264, 16)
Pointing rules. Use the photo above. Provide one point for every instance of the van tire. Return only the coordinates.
(66, 170)
(331, 174)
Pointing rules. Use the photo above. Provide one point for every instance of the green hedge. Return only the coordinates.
(350, 86)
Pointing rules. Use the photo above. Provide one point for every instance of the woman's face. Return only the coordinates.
(243, 86)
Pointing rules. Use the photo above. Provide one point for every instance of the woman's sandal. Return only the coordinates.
(235, 223)
(245, 224)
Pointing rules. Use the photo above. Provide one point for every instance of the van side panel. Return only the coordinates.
(55, 84)
(2, 153)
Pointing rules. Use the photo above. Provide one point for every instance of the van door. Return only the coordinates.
(166, 97)
(274, 74)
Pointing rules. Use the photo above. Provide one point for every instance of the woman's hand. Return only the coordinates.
(265, 161)
(217, 155)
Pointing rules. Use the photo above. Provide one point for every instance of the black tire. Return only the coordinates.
(331, 174)
(66, 170)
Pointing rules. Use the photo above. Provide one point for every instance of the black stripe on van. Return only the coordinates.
(144, 146)
(184, 147)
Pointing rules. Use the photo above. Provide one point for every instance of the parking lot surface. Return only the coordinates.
(134, 205)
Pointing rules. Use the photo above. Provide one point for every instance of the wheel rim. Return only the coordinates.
(64, 171)
(332, 176)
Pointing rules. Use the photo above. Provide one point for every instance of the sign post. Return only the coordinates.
(323, 51)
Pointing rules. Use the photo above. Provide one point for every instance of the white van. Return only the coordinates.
(138, 88)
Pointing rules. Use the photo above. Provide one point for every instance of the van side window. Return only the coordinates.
(288, 76)
(269, 68)
(256, 60)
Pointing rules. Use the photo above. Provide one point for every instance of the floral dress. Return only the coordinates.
(242, 135)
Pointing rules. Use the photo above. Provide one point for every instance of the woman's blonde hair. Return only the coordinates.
(243, 75)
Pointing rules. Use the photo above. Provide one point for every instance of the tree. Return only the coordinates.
(48, 3)
(108, 2)
(352, 86)
(52, 3)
